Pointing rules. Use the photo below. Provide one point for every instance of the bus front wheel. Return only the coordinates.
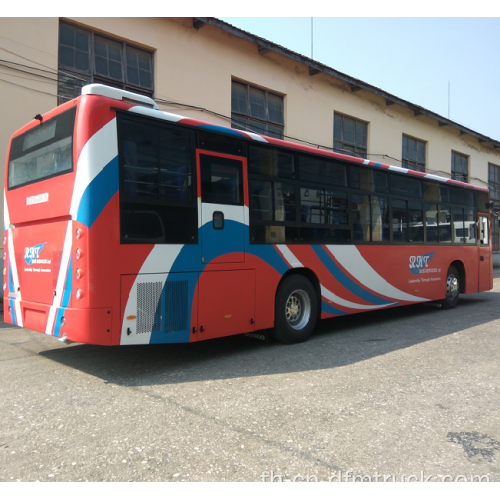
(296, 310)
(452, 289)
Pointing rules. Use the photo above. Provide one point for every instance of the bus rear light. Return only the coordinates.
(4, 240)
(78, 253)
(78, 274)
(4, 286)
(78, 234)
(4, 271)
(4, 255)
(79, 294)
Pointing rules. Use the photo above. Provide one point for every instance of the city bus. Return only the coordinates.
(128, 225)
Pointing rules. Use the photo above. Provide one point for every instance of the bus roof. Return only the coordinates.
(146, 106)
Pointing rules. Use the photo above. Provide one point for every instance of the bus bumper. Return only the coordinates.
(89, 326)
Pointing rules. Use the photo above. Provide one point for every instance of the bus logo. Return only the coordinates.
(420, 262)
(31, 253)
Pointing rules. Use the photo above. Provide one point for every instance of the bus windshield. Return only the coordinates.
(42, 152)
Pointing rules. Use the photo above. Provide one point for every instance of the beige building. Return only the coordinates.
(207, 69)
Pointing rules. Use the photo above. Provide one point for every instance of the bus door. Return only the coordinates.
(485, 264)
(223, 215)
(226, 292)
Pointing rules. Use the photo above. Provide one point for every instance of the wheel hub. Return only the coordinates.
(452, 287)
(293, 309)
(298, 309)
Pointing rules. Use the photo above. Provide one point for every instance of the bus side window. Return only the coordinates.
(470, 223)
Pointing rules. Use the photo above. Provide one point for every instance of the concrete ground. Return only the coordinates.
(407, 393)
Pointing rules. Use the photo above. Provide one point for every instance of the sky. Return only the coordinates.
(448, 65)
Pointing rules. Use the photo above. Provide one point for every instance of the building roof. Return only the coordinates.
(315, 67)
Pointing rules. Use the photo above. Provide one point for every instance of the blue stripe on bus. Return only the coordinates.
(329, 309)
(11, 301)
(98, 193)
(65, 300)
(347, 282)
(214, 244)
(222, 130)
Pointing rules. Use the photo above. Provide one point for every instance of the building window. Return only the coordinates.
(413, 154)
(349, 136)
(494, 182)
(87, 57)
(494, 186)
(256, 110)
(459, 167)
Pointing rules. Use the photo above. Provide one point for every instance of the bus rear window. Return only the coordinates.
(42, 152)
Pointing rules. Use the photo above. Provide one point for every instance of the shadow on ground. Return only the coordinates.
(336, 342)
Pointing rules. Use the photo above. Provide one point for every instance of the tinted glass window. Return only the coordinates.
(406, 186)
(220, 143)
(221, 180)
(368, 179)
(407, 221)
(271, 162)
(460, 196)
(481, 201)
(431, 222)
(431, 190)
(140, 160)
(444, 224)
(323, 171)
(42, 152)
(360, 212)
(470, 225)
(322, 206)
(157, 190)
(324, 235)
(380, 223)
(272, 201)
(416, 221)
(400, 220)
(459, 231)
(444, 193)
(176, 178)
(153, 223)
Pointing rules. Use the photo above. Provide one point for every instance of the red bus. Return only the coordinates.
(128, 225)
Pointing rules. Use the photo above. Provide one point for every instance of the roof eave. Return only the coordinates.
(315, 67)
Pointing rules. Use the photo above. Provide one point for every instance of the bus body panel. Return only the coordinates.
(38, 251)
(97, 290)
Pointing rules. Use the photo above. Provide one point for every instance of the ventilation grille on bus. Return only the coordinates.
(176, 306)
(162, 309)
(149, 307)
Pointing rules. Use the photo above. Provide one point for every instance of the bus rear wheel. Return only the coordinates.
(296, 310)
(452, 289)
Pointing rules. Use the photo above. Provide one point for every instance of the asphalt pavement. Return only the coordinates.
(409, 393)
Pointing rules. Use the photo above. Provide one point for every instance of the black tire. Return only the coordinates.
(296, 310)
(452, 289)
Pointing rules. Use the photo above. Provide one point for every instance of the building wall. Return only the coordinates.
(195, 67)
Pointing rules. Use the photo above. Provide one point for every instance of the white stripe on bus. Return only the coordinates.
(61, 278)
(294, 262)
(99, 150)
(353, 262)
